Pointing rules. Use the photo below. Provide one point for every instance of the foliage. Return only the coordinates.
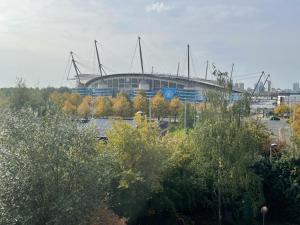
(282, 109)
(141, 103)
(241, 108)
(71, 103)
(103, 106)
(175, 107)
(57, 99)
(139, 155)
(50, 171)
(23, 97)
(85, 107)
(281, 182)
(223, 159)
(122, 106)
(190, 115)
(159, 106)
(106, 216)
(4, 101)
(296, 121)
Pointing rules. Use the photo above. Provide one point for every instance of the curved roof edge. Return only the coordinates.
(192, 80)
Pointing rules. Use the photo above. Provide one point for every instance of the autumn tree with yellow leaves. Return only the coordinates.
(57, 98)
(141, 103)
(122, 106)
(85, 107)
(174, 107)
(103, 106)
(296, 121)
(71, 103)
(282, 109)
(159, 106)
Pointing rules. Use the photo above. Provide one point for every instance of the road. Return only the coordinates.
(280, 128)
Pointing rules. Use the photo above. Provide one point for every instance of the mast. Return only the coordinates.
(231, 71)
(75, 67)
(141, 57)
(188, 46)
(98, 58)
(178, 67)
(206, 70)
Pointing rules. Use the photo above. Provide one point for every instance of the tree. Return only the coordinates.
(69, 108)
(20, 96)
(50, 170)
(189, 113)
(174, 107)
(4, 101)
(282, 195)
(159, 106)
(282, 109)
(121, 106)
(140, 158)
(84, 109)
(222, 160)
(296, 121)
(71, 103)
(103, 106)
(57, 98)
(141, 103)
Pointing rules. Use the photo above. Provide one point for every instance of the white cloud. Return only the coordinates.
(157, 7)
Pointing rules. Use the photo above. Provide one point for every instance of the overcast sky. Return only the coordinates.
(36, 37)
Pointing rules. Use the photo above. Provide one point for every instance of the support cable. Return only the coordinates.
(132, 59)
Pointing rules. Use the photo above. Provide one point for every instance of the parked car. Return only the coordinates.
(274, 118)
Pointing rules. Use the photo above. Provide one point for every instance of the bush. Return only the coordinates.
(50, 171)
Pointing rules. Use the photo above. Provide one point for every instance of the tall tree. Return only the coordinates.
(50, 170)
(122, 106)
(159, 106)
(174, 107)
(85, 107)
(140, 158)
(103, 106)
(141, 103)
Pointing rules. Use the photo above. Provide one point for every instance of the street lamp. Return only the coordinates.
(264, 211)
(272, 146)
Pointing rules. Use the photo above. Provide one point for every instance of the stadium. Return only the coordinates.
(186, 88)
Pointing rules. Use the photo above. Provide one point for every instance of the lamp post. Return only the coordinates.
(272, 146)
(264, 211)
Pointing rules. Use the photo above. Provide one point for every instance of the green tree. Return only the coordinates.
(140, 158)
(4, 101)
(50, 170)
(190, 114)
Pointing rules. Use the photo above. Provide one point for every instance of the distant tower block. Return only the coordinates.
(269, 86)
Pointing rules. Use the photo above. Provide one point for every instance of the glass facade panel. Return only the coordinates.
(164, 84)
(156, 84)
(109, 83)
(149, 81)
(180, 86)
(115, 83)
(172, 85)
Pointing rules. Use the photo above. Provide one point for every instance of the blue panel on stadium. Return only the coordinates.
(169, 93)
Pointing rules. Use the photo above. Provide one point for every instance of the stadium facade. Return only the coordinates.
(185, 88)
